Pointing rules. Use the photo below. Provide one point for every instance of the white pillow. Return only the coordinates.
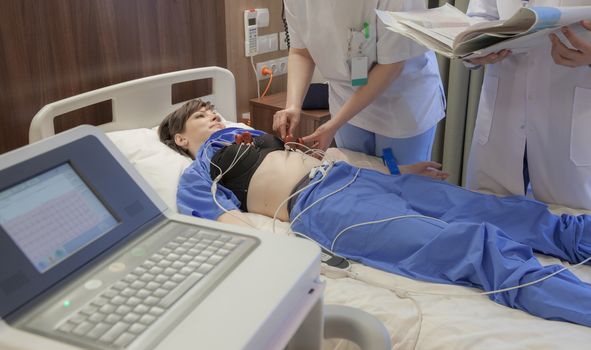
(157, 163)
(160, 166)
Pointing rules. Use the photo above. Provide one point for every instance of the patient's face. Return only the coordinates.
(198, 129)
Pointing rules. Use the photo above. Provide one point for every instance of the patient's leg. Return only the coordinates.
(402, 242)
(482, 255)
(527, 221)
(477, 255)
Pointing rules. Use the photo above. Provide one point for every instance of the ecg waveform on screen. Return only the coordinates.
(47, 228)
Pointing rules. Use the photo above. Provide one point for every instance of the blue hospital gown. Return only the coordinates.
(194, 195)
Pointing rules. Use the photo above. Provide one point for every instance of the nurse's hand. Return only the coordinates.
(322, 137)
(285, 121)
(579, 56)
(429, 169)
(490, 58)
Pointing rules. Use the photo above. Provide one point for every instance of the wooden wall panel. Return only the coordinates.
(238, 63)
(53, 49)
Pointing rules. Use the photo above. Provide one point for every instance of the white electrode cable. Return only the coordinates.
(308, 151)
(222, 173)
(328, 164)
(256, 77)
(405, 293)
(318, 201)
(332, 247)
(214, 185)
(209, 145)
(570, 268)
(400, 293)
(284, 202)
(393, 218)
(324, 197)
(289, 197)
(312, 153)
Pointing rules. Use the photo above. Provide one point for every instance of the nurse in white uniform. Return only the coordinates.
(385, 90)
(541, 99)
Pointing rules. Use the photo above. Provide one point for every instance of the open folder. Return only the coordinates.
(452, 33)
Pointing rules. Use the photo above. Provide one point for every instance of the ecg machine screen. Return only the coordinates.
(53, 215)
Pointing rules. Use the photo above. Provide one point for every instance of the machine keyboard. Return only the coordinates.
(126, 309)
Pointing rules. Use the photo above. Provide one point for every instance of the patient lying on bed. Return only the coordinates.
(412, 225)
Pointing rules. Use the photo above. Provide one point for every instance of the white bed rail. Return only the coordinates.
(142, 102)
(356, 325)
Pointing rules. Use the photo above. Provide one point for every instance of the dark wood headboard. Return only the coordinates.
(53, 49)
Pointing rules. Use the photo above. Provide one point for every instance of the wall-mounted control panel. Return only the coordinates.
(251, 46)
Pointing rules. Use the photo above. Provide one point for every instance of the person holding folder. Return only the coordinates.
(534, 115)
(384, 90)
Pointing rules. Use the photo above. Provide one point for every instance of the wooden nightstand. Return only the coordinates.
(263, 109)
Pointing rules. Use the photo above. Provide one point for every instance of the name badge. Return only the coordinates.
(359, 71)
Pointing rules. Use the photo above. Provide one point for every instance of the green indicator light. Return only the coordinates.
(138, 251)
(67, 303)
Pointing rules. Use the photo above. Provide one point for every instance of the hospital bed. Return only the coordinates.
(413, 320)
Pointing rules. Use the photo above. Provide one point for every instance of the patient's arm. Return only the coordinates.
(236, 217)
(362, 160)
(430, 169)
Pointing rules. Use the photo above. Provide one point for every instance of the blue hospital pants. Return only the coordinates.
(483, 241)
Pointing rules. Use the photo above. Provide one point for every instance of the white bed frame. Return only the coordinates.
(141, 102)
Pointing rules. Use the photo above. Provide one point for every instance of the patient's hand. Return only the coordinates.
(430, 169)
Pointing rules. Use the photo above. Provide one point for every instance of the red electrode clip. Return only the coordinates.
(245, 137)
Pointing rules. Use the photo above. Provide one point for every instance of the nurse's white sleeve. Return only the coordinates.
(393, 47)
(293, 24)
(486, 9)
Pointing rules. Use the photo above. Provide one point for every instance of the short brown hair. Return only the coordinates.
(174, 123)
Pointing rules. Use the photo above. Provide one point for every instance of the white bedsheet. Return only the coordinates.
(413, 320)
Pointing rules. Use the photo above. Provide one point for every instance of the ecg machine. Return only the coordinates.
(91, 257)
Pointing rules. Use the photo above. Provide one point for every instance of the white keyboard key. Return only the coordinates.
(141, 309)
(98, 330)
(178, 292)
(136, 328)
(147, 319)
(131, 317)
(124, 339)
(96, 318)
(66, 327)
(114, 332)
(151, 301)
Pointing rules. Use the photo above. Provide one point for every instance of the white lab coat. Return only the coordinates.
(412, 104)
(529, 98)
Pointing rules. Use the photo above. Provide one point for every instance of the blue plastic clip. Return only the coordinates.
(390, 162)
